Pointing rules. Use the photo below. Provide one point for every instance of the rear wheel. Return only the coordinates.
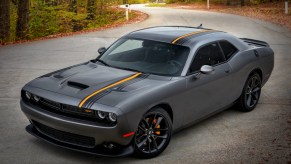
(251, 93)
(153, 134)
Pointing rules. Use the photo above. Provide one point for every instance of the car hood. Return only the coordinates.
(82, 80)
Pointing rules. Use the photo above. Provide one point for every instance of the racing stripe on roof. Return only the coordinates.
(108, 87)
(182, 39)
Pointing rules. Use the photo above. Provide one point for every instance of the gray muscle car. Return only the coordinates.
(147, 85)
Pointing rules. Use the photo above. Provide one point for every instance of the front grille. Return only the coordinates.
(50, 104)
(66, 110)
(66, 137)
(76, 110)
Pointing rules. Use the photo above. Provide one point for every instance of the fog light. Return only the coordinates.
(28, 95)
(109, 145)
(35, 98)
(101, 114)
(112, 117)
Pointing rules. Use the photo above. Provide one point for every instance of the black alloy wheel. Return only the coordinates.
(153, 134)
(251, 93)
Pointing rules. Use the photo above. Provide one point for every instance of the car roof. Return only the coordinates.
(171, 34)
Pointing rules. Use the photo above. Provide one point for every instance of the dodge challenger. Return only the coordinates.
(147, 85)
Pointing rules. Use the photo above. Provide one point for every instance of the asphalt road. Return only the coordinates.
(261, 136)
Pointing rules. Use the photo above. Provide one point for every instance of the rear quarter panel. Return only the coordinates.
(244, 62)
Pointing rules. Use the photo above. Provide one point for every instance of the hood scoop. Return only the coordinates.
(77, 85)
(57, 76)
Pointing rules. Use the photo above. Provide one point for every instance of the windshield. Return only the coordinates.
(146, 56)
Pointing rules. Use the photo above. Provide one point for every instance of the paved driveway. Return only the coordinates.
(263, 135)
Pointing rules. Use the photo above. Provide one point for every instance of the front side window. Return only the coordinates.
(228, 49)
(147, 56)
(207, 55)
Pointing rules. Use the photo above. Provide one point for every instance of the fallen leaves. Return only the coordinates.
(271, 12)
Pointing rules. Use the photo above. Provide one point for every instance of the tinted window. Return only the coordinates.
(228, 49)
(207, 55)
(127, 46)
(147, 56)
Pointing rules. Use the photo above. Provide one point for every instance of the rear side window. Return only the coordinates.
(207, 55)
(228, 49)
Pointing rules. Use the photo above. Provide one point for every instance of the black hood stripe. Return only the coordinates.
(119, 87)
(85, 100)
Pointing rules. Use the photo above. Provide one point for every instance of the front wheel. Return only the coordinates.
(251, 93)
(153, 134)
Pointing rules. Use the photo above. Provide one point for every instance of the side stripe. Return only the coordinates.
(190, 34)
(107, 87)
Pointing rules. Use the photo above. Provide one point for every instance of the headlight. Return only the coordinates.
(27, 95)
(35, 98)
(112, 117)
(101, 114)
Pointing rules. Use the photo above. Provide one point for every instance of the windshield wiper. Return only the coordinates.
(101, 61)
(124, 68)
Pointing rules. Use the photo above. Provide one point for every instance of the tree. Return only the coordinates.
(227, 2)
(73, 6)
(91, 9)
(242, 2)
(51, 2)
(22, 21)
(4, 19)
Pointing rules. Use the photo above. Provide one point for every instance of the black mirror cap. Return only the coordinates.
(101, 50)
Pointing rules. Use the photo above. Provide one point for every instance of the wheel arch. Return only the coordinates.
(257, 70)
(166, 107)
(241, 100)
(161, 107)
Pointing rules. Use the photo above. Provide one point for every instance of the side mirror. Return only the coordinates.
(207, 69)
(101, 50)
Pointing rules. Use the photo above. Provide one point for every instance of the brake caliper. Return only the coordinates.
(158, 127)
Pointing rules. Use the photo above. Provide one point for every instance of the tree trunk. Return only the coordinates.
(22, 21)
(73, 6)
(227, 2)
(15, 2)
(48, 2)
(55, 2)
(101, 8)
(4, 19)
(51, 2)
(91, 9)
(242, 2)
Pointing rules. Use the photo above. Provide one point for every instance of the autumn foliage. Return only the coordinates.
(30, 19)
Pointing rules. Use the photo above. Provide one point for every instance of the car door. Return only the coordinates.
(207, 93)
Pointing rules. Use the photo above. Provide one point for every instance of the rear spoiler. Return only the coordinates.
(254, 42)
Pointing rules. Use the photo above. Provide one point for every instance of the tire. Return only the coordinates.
(153, 134)
(251, 93)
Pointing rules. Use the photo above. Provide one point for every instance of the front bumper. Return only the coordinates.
(98, 150)
(101, 134)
